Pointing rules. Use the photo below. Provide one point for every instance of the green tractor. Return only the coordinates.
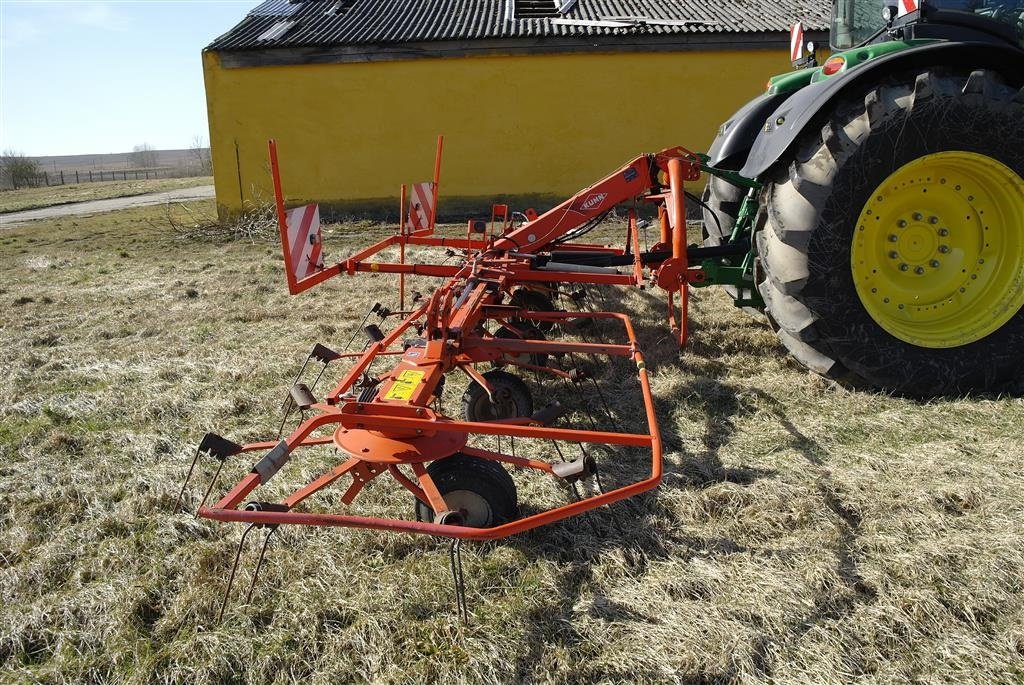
(886, 224)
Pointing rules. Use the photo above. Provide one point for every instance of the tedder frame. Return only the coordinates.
(489, 311)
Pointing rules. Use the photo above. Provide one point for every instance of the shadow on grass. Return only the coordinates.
(644, 530)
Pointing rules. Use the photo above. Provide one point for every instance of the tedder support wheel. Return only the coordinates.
(524, 332)
(479, 490)
(893, 245)
(511, 398)
(533, 301)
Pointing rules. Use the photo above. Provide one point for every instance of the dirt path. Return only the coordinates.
(12, 219)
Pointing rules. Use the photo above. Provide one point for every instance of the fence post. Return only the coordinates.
(46, 178)
(62, 177)
(90, 175)
(76, 176)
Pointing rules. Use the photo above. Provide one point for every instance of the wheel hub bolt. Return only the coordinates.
(935, 264)
(918, 216)
(893, 238)
(919, 270)
(944, 249)
(902, 223)
(933, 220)
(904, 267)
(943, 232)
(894, 254)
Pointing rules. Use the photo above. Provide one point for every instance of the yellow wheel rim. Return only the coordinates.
(938, 251)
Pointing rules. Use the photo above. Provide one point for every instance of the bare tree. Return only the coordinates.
(199, 156)
(142, 156)
(18, 170)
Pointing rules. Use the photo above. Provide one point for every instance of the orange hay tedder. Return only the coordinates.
(487, 318)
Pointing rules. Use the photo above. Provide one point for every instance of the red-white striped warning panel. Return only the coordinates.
(796, 41)
(421, 206)
(304, 241)
(907, 6)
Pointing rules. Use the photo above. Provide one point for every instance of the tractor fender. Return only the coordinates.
(803, 109)
(737, 134)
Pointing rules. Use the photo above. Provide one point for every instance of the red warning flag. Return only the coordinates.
(796, 41)
(304, 240)
(906, 7)
(421, 207)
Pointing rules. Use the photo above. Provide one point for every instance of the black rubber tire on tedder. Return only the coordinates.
(532, 300)
(524, 331)
(512, 398)
(816, 200)
(481, 491)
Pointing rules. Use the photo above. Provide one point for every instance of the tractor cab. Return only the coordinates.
(857, 22)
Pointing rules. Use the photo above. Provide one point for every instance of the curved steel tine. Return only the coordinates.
(209, 489)
(177, 503)
(455, 557)
(259, 564)
(234, 569)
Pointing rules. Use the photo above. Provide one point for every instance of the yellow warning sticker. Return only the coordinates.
(403, 386)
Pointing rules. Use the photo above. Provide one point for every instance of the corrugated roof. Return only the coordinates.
(324, 23)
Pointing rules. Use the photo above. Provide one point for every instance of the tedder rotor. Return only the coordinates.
(494, 313)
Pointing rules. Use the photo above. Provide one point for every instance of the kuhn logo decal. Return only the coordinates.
(591, 201)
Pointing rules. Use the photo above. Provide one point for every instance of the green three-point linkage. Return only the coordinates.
(724, 270)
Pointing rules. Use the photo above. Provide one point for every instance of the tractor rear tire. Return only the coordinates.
(893, 239)
(722, 202)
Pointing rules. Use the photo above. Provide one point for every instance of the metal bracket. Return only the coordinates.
(272, 461)
(548, 414)
(377, 308)
(575, 470)
(300, 395)
(219, 448)
(362, 473)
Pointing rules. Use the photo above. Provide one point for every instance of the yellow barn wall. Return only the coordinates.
(348, 134)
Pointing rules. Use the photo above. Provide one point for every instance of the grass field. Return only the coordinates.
(804, 533)
(33, 198)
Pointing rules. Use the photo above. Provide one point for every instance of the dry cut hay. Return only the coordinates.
(804, 533)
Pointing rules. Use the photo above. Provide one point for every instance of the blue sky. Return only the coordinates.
(80, 77)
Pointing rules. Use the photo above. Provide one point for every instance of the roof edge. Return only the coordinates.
(341, 54)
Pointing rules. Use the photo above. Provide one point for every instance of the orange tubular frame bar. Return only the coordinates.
(361, 415)
(453, 338)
